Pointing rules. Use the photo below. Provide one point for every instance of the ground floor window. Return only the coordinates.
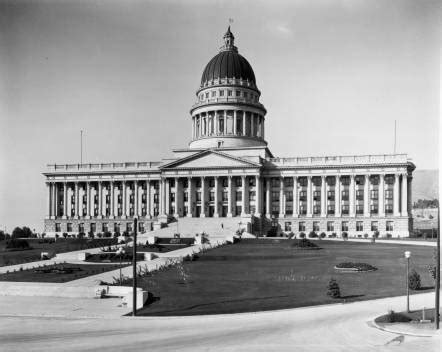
(141, 227)
(330, 226)
(238, 210)
(105, 227)
(129, 227)
(315, 225)
(57, 227)
(287, 226)
(359, 226)
(316, 209)
(117, 228)
(301, 226)
(359, 209)
(69, 227)
(344, 226)
(389, 226)
(81, 227)
(374, 226)
(345, 209)
(93, 227)
(389, 208)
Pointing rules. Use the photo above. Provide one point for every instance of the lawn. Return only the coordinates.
(62, 245)
(66, 272)
(256, 275)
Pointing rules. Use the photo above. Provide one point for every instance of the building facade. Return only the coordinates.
(228, 171)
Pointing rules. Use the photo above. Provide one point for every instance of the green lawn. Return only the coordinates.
(80, 271)
(62, 245)
(256, 275)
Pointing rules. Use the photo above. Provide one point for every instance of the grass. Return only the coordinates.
(62, 245)
(35, 275)
(256, 275)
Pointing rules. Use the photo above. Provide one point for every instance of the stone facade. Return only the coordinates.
(229, 171)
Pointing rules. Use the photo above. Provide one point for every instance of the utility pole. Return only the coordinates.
(437, 286)
(134, 270)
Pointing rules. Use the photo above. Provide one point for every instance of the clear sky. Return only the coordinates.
(334, 76)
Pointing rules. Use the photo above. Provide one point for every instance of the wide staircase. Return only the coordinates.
(216, 228)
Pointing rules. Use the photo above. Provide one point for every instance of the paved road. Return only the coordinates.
(323, 328)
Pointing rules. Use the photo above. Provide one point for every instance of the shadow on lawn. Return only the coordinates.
(424, 288)
(351, 296)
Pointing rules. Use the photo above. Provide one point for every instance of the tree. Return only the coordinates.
(414, 280)
(333, 289)
(27, 232)
(2, 235)
(345, 235)
(432, 267)
(17, 232)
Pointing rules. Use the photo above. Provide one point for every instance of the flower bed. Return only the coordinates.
(112, 257)
(304, 243)
(350, 266)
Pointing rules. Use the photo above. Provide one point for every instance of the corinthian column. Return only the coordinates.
(229, 196)
(216, 213)
(295, 197)
(323, 196)
(396, 195)
(88, 200)
(189, 198)
(338, 195)
(258, 201)
(352, 195)
(100, 199)
(381, 195)
(65, 200)
(367, 195)
(48, 200)
(243, 202)
(309, 196)
(124, 200)
(281, 197)
(111, 200)
(268, 199)
(203, 197)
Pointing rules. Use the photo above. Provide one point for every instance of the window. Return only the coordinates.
(389, 226)
(57, 227)
(81, 227)
(345, 195)
(211, 182)
(119, 198)
(330, 209)
(359, 209)
(129, 227)
(207, 95)
(229, 93)
(275, 182)
(185, 183)
(359, 226)
(317, 195)
(331, 195)
(345, 209)
(198, 183)
(221, 93)
(287, 226)
(302, 210)
(104, 227)
(303, 181)
(252, 196)
(330, 226)
(246, 95)
(211, 196)
(302, 226)
(69, 227)
(360, 194)
(315, 225)
(155, 198)
(93, 227)
(186, 196)
(117, 228)
(252, 181)
(344, 226)
(213, 93)
(141, 227)
(316, 209)
(374, 194)
(388, 208)
(388, 194)
(389, 179)
(238, 93)
(289, 209)
(238, 209)
(172, 197)
(172, 183)
(359, 180)
(288, 182)
(239, 196)
(275, 209)
(198, 196)
(303, 195)
(275, 196)
(373, 209)
(225, 182)
(238, 182)
(345, 181)
(289, 196)
(225, 196)
(374, 226)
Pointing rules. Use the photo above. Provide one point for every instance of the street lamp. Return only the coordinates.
(120, 253)
(407, 256)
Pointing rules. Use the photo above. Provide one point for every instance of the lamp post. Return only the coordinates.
(134, 269)
(407, 256)
(120, 253)
(437, 286)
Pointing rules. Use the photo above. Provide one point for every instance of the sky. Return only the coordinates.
(334, 77)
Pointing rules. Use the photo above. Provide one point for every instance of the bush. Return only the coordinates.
(272, 232)
(376, 234)
(333, 235)
(312, 234)
(389, 235)
(345, 235)
(359, 236)
(414, 280)
(17, 233)
(65, 235)
(365, 235)
(322, 235)
(358, 266)
(16, 243)
(99, 235)
(302, 235)
(304, 243)
(107, 234)
(90, 234)
(81, 235)
(333, 289)
(2, 236)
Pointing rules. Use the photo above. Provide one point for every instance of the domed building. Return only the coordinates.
(227, 178)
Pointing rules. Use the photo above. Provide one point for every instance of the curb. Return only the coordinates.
(377, 326)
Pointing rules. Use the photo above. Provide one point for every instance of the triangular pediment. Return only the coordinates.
(210, 159)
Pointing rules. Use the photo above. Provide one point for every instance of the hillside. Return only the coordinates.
(425, 184)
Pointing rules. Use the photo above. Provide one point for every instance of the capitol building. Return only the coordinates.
(228, 175)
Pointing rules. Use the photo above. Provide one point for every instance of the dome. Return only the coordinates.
(228, 63)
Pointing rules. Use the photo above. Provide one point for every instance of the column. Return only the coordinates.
(295, 197)
(229, 196)
(189, 198)
(252, 124)
(367, 195)
(88, 200)
(268, 199)
(243, 123)
(48, 200)
(111, 200)
(216, 214)
(351, 194)
(177, 194)
(258, 201)
(136, 198)
(65, 198)
(124, 203)
(234, 122)
(203, 197)
(100, 200)
(166, 196)
(53, 200)
(309, 196)
(148, 200)
(243, 202)
(396, 195)
(323, 196)
(338, 196)
(281, 197)
(216, 123)
(381, 195)
(404, 194)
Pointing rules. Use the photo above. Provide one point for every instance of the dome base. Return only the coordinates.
(226, 142)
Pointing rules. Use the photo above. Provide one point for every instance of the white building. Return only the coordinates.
(228, 171)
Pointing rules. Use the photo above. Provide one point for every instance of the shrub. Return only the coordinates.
(302, 235)
(17, 233)
(358, 266)
(2, 236)
(65, 235)
(304, 243)
(107, 234)
(333, 289)
(389, 235)
(272, 232)
(17, 243)
(99, 235)
(345, 235)
(359, 236)
(432, 267)
(81, 235)
(333, 235)
(376, 234)
(414, 280)
(322, 235)
(90, 234)
(365, 235)
(312, 234)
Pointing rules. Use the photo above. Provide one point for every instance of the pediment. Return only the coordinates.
(210, 159)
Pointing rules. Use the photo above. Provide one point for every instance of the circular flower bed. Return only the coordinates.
(349, 266)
